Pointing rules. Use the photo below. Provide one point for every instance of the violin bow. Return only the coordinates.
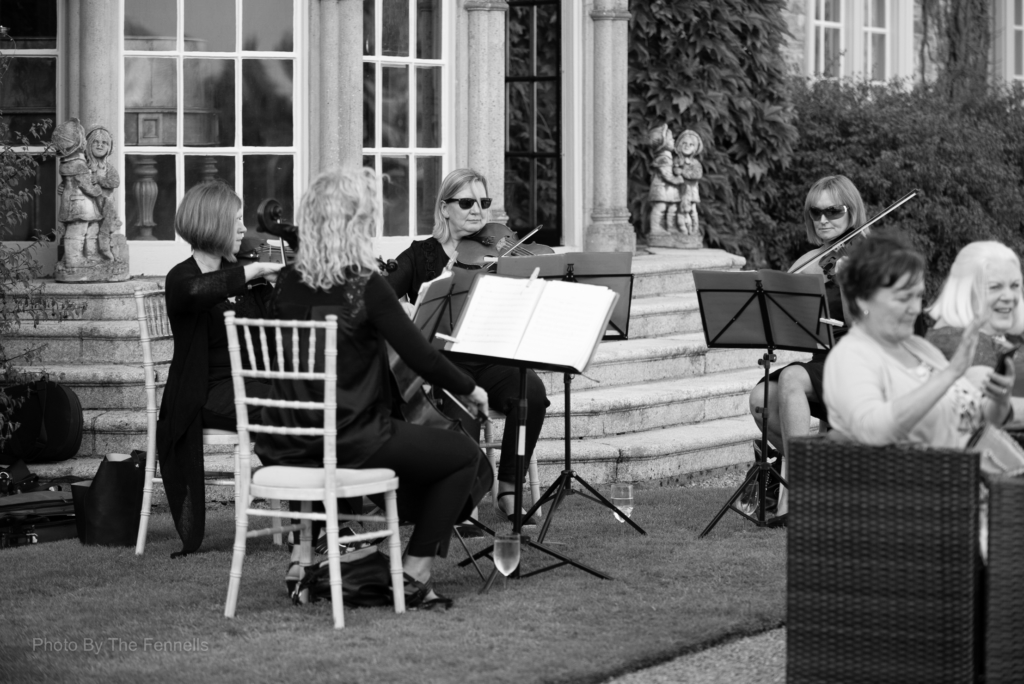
(814, 257)
(517, 244)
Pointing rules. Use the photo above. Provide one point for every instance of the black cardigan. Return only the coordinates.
(191, 297)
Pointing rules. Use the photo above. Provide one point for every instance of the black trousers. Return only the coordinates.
(502, 386)
(436, 469)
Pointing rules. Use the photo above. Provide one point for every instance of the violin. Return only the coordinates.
(823, 260)
(496, 240)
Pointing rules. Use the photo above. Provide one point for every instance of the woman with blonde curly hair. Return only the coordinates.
(335, 273)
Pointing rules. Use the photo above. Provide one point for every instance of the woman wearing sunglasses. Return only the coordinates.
(461, 209)
(832, 208)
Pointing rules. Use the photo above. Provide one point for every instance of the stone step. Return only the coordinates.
(106, 386)
(53, 343)
(669, 271)
(118, 432)
(652, 455)
(638, 361)
(610, 411)
(103, 301)
(664, 315)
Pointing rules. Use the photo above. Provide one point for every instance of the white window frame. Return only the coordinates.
(392, 245)
(1007, 34)
(156, 257)
(854, 34)
(59, 115)
(868, 32)
(818, 26)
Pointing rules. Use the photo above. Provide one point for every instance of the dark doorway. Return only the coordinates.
(533, 105)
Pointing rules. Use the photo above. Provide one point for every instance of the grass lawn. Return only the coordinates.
(72, 612)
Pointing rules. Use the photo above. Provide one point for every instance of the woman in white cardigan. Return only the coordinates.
(885, 385)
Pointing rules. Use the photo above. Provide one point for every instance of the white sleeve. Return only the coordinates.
(854, 385)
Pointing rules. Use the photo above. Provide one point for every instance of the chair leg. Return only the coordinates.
(277, 521)
(334, 561)
(147, 504)
(394, 552)
(535, 483)
(488, 435)
(238, 557)
(306, 548)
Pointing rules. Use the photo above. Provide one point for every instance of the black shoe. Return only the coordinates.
(469, 531)
(527, 522)
(416, 596)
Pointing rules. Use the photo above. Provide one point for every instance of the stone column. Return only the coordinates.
(486, 115)
(98, 68)
(340, 90)
(610, 229)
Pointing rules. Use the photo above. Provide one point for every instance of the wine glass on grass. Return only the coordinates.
(506, 554)
(622, 499)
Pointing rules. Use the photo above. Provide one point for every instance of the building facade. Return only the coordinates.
(265, 94)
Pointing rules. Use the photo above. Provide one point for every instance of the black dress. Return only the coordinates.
(424, 260)
(436, 468)
(198, 392)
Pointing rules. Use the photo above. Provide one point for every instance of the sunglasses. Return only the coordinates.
(831, 213)
(466, 203)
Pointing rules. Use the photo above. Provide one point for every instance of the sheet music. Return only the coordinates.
(496, 315)
(568, 321)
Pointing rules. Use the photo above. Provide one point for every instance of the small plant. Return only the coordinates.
(21, 296)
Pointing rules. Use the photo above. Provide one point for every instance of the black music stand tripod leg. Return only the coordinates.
(759, 472)
(517, 516)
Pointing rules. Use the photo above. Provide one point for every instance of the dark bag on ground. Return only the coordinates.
(50, 424)
(365, 580)
(17, 479)
(36, 517)
(107, 507)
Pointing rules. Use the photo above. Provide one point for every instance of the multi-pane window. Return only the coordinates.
(209, 93)
(1017, 33)
(828, 38)
(403, 122)
(876, 40)
(28, 95)
(533, 140)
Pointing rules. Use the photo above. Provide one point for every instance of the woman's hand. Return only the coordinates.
(262, 269)
(478, 400)
(963, 357)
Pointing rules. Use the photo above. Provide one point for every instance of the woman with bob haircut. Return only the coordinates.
(335, 273)
(885, 385)
(460, 210)
(985, 277)
(199, 392)
(832, 208)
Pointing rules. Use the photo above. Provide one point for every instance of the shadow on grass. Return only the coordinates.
(102, 614)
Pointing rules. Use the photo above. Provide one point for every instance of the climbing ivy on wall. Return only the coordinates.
(713, 66)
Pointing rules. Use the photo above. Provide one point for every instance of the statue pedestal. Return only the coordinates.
(676, 240)
(97, 269)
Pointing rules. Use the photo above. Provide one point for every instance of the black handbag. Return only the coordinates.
(365, 580)
(107, 508)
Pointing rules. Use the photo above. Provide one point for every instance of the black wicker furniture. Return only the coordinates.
(883, 566)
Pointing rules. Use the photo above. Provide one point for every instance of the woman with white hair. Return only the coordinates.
(460, 210)
(335, 272)
(985, 280)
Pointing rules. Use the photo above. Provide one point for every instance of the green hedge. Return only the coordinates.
(967, 158)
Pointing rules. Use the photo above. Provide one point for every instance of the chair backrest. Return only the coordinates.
(151, 308)
(295, 367)
(883, 563)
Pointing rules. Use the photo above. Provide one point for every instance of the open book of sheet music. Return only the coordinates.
(545, 321)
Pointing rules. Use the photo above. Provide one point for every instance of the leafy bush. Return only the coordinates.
(967, 158)
(713, 66)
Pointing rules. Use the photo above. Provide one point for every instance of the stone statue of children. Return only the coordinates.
(99, 146)
(665, 192)
(80, 196)
(688, 146)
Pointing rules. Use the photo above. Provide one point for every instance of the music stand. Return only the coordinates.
(761, 310)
